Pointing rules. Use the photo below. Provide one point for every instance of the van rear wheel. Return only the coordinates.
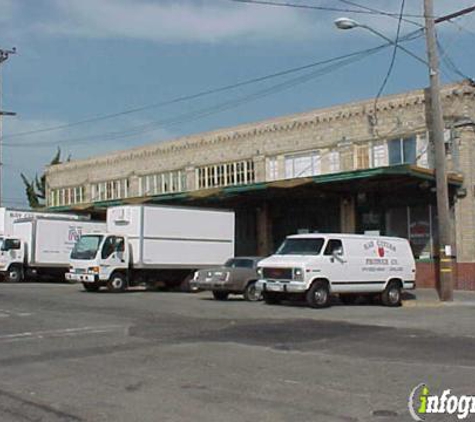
(318, 296)
(392, 294)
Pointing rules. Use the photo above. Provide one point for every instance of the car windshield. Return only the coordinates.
(305, 246)
(239, 263)
(86, 247)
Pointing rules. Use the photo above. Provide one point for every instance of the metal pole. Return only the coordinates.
(446, 261)
(4, 54)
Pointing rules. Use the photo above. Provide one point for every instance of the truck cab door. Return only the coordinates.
(113, 255)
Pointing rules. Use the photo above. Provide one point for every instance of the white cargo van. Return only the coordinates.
(315, 266)
(40, 247)
(145, 244)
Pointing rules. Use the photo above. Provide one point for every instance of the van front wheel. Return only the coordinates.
(392, 294)
(318, 296)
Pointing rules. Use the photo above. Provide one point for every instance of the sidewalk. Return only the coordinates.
(430, 298)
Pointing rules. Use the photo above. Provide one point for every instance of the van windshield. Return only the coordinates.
(292, 246)
(86, 247)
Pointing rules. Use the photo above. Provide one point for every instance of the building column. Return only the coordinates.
(260, 168)
(264, 230)
(347, 215)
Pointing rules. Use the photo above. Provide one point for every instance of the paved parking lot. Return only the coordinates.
(67, 355)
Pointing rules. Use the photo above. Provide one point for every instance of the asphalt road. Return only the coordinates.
(67, 355)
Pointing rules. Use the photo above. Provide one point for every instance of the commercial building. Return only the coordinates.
(351, 168)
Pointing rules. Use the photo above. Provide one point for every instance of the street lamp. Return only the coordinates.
(446, 257)
(347, 23)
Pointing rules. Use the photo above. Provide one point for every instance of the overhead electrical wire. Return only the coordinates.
(393, 57)
(367, 10)
(332, 65)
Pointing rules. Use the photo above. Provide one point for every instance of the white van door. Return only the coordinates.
(335, 260)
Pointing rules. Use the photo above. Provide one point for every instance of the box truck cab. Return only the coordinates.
(316, 266)
(40, 247)
(100, 259)
(147, 244)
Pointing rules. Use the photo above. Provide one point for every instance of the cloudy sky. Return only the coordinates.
(81, 60)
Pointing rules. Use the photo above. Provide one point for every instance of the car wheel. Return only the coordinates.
(91, 287)
(318, 296)
(219, 295)
(117, 283)
(392, 294)
(251, 294)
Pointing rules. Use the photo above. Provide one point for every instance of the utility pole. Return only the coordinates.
(446, 260)
(4, 54)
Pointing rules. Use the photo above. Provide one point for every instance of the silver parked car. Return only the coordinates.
(236, 276)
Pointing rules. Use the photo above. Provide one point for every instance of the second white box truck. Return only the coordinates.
(41, 247)
(150, 244)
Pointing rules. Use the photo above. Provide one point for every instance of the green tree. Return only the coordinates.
(35, 188)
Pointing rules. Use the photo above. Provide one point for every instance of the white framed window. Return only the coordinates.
(66, 196)
(111, 189)
(272, 169)
(380, 155)
(165, 182)
(303, 165)
(402, 150)
(225, 174)
(334, 161)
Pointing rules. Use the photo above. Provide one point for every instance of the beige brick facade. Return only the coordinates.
(341, 138)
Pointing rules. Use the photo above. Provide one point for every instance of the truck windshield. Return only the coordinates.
(293, 246)
(86, 247)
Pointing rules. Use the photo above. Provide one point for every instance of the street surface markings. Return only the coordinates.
(5, 313)
(16, 408)
(64, 332)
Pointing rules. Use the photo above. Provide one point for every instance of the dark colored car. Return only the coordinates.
(236, 276)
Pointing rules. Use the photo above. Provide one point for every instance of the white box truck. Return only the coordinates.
(9, 215)
(150, 244)
(315, 266)
(40, 247)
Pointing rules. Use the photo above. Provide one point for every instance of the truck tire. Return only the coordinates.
(250, 292)
(91, 287)
(271, 298)
(15, 274)
(117, 283)
(220, 295)
(318, 296)
(392, 294)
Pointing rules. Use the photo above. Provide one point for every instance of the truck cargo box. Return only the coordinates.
(174, 237)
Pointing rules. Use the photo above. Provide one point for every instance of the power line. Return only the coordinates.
(381, 12)
(332, 65)
(393, 58)
(367, 11)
